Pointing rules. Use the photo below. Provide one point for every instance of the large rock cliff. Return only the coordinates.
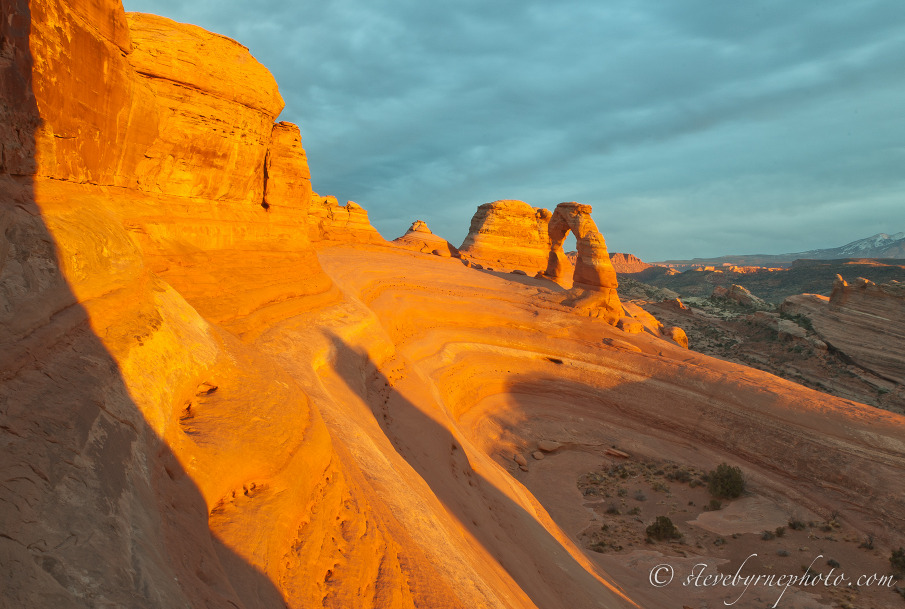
(864, 321)
(508, 235)
(152, 216)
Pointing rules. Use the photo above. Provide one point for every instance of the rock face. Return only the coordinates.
(512, 235)
(215, 105)
(330, 222)
(287, 180)
(737, 293)
(508, 234)
(627, 263)
(419, 238)
(865, 321)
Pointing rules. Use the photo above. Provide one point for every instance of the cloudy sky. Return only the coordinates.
(694, 127)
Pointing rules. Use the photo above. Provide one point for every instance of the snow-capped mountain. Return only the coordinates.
(880, 245)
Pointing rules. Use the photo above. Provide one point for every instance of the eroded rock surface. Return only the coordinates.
(508, 235)
(330, 222)
(194, 414)
(628, 263)
(864, 320)
(511, 235)
(419, 238)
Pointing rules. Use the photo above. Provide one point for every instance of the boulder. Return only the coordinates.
(548, 446)
(677, 335)
(630, 325)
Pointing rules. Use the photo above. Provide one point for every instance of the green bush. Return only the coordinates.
(896, 559)
(663, 529)
(726, 482)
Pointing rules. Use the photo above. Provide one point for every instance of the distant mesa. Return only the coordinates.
(627, 263)
(419, 238)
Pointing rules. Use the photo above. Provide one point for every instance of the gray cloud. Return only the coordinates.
(695, 128)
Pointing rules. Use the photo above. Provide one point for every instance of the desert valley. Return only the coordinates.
(219, 388)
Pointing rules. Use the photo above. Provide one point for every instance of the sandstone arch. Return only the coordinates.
(593, 269)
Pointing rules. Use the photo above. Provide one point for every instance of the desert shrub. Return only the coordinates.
(682, 476)
(833, 563)
(663, 529)
(715, 504)
(639, 496)
(897, 560)
(613, 510)
(726, 482)
(767, 536)
(796, 525)
(780, 531)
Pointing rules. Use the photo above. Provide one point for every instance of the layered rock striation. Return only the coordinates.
(331, 223)
(194, 415)
(419, 238)
(628, 263)
(864, 321)
(512, 235)
(508, 235)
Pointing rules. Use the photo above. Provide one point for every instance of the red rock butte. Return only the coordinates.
(218, 389)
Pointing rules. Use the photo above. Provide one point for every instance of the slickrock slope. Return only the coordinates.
(419, 238)
(199, 410)
(520, 369)
(329, 222)
(508, 235)
(865, 321)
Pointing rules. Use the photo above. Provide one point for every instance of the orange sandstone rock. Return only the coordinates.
(328, 221)
(863, 320)
(507, 235)
(419, 238)
(287, 179)
(628, 263)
